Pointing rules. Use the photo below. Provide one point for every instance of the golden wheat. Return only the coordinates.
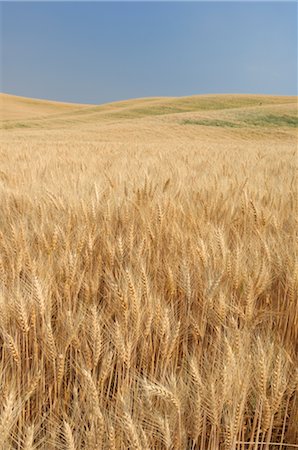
(148, 286)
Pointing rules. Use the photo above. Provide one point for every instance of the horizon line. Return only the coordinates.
(148, 97)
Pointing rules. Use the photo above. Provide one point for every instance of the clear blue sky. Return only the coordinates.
(95, 52)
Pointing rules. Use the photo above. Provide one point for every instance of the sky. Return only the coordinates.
(97, 52)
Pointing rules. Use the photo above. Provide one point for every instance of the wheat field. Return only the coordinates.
(149, 274)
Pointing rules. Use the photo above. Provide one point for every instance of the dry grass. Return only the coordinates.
(148, 284)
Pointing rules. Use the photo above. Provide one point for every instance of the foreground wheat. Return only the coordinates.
(148, 297)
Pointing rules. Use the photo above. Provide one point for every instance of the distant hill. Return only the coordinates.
(228, 111)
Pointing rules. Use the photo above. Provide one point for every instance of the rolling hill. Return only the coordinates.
(228, 111)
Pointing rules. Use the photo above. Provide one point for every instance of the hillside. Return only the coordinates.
(228, 111)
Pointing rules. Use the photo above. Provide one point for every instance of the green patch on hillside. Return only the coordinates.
(211, 123)
(14, 125)
(157, 110)
(272, 120)
(269, 120)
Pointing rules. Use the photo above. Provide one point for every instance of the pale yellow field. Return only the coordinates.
(148, 274)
